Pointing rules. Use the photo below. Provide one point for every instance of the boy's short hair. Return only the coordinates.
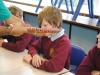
(52, 15)
(14, 9)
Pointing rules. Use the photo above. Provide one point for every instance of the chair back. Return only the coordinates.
(77, 55)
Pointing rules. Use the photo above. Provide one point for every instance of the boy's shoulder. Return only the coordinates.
(94, 50)
(2, 23)
(63, 38)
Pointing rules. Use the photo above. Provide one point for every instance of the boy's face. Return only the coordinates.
(46, 25)
(98, 36)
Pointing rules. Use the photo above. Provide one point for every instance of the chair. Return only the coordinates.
(77, 55)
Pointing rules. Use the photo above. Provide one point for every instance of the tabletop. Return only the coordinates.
(11, 63)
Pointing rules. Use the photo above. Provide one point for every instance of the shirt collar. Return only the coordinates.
(57, 35)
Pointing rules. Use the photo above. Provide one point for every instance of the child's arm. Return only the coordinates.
(17, 44)
(1, 41)
(34, 51)
(87, 65)
(36, 60)
(58, 60)
(35, 47)
(28, 58)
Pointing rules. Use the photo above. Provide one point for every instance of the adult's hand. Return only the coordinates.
(18, 29)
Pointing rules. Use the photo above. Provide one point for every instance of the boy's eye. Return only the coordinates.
(45, 25)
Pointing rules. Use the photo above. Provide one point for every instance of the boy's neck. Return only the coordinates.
(53, 34)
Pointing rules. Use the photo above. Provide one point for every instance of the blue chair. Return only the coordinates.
(77, 55)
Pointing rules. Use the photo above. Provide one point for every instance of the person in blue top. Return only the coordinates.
(5, 14)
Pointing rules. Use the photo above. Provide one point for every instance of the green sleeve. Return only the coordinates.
(4, 11)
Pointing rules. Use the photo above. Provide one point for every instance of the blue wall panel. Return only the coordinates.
(84, 37)
(32, 19)
(66, 26)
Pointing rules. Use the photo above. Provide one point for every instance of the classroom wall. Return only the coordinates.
(84, 37)
(32, 19)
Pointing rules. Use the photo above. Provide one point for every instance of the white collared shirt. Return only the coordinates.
(57, 36)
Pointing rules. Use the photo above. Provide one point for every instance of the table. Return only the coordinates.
(11, 63)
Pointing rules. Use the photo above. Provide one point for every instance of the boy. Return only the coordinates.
(17, 44)
(55, 48)
(91, 64)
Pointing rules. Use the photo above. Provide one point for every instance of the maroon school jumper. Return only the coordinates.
(57, 52)
(2, 23)
(90, 63)
(18, 44)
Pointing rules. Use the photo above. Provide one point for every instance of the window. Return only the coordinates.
(84, 8)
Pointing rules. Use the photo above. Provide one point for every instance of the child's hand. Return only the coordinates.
(27, 58)
(1, 41)
(36, 60)
(95, 72)
(43, 59)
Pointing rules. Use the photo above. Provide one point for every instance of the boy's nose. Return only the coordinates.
(42, 27)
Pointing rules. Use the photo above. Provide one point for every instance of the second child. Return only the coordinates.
(56, 48)
(17, 44)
